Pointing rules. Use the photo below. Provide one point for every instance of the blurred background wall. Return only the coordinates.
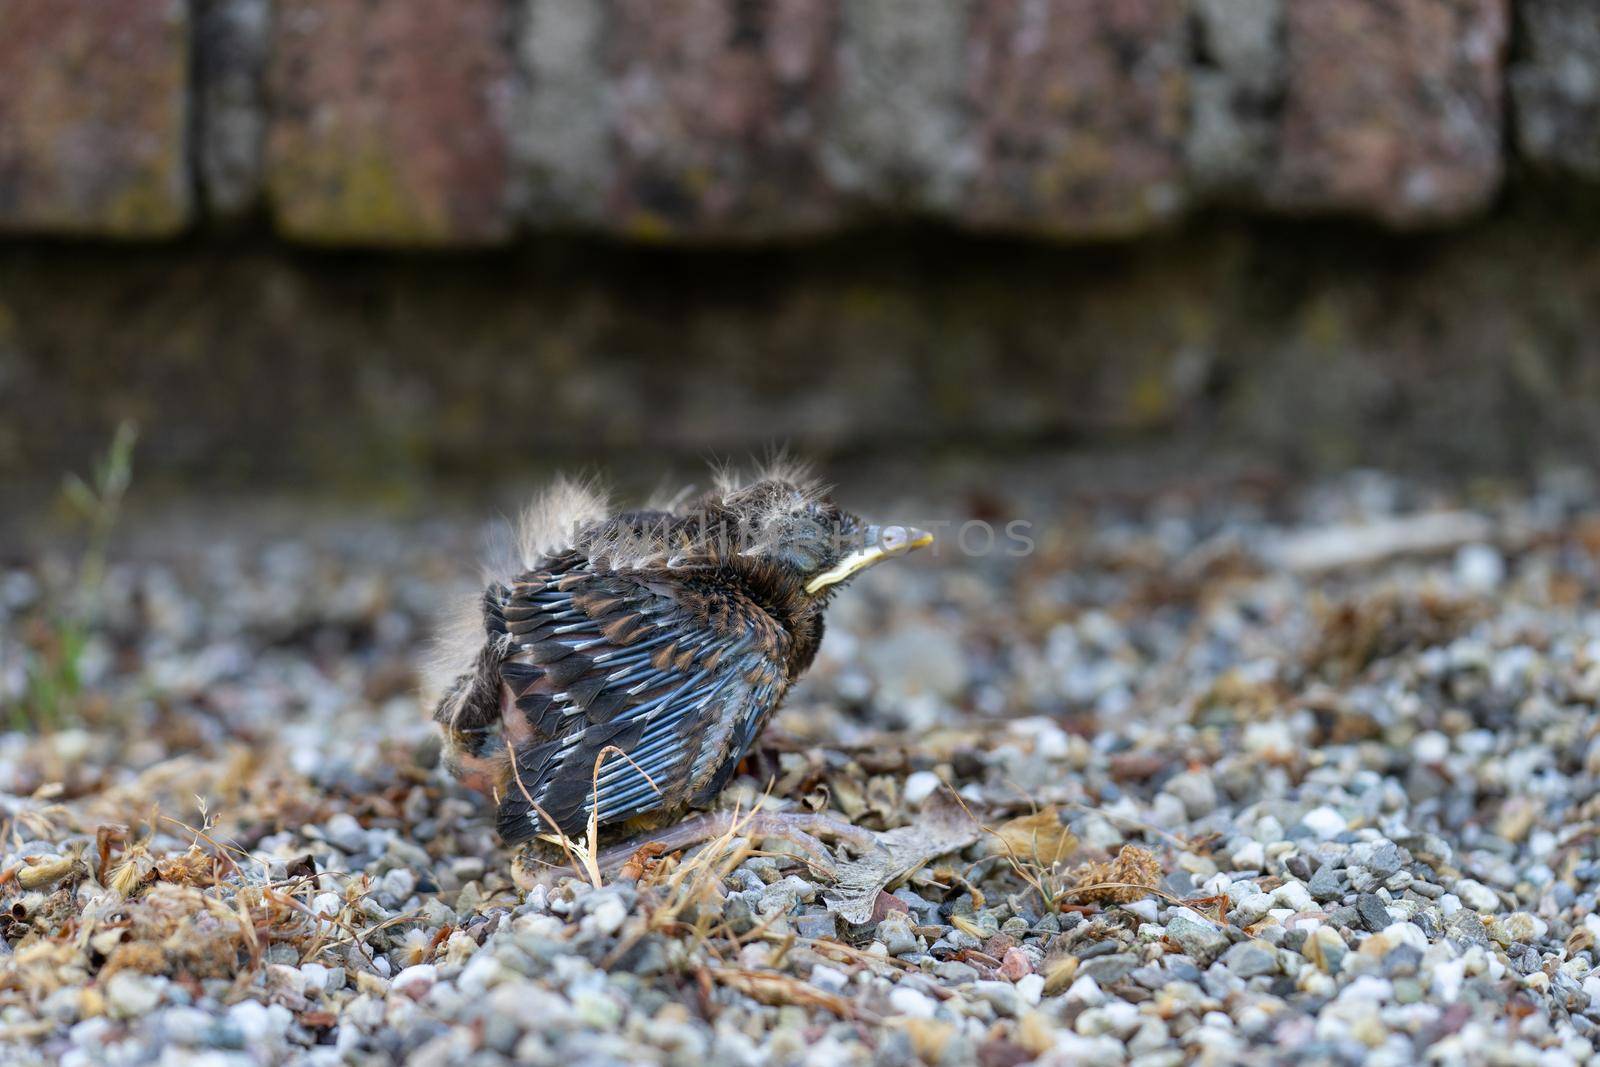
(311, 240)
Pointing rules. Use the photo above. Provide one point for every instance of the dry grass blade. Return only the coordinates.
(48, 873)
(838, 951)
(223, 851)
(683, 886)
(780, 990)
(1039, 876)
(585, 856)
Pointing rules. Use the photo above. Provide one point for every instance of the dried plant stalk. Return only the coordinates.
(1135, 873)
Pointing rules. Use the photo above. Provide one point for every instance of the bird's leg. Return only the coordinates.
(818, 824)
(801, 828)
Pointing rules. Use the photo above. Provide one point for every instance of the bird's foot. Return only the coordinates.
(802, 829)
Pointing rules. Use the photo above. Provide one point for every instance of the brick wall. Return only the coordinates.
(370, 123)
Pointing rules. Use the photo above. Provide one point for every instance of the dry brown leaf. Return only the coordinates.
(139, 956)
(943, 826)
(1039, 838)
(848, 796)
(1060, 975)
(883, 796)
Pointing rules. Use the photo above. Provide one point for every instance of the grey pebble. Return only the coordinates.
(1197, 938)
(1327, 884)
(1097, 948)
(1373, 912)
(1108, 969)
(817, 924)
(954, 972)
(1250, 958)
(896, 935)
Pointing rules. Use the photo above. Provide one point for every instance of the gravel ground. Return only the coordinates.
(1247, 773)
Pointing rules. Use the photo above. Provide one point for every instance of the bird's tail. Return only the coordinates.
(517, 819)
(468, 711)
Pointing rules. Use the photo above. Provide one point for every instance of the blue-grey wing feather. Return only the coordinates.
(610, 660)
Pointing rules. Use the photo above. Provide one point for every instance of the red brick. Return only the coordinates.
(1081, 111)
(93, 118)
(719, 104)
(1392, 108)
(389, 121)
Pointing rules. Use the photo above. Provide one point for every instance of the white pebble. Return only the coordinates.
(316, 977)
(829, 978)
(1085, 991)
(1293, 895)
(1477, 896)
(920, 786)
(327, 904)
(260, 1023)
(1480, 567)
(1103, 1051)
(606, 917)
(1251, 856)
(907, 1001)
(1430, 746)
(415, 981)
(1448, 975)
(130, 994)
(1525, 926)
(1146, 908)
(481, 972)
(1117, 1017)
(1325, 822)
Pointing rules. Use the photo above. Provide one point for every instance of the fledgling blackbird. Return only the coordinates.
(670, 635)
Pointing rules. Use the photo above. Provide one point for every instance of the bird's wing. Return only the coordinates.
(676, 674)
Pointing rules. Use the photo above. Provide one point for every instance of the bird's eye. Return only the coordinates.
(893, 538)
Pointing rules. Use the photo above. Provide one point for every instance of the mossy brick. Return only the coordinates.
(895, 139)
(94, 117)
(1392, 108)
(1080, 109)
(718, 112)
(388, 123)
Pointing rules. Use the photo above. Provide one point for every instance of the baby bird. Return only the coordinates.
(653, 645)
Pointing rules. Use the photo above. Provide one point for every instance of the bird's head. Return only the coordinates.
(779, 532)
(789, 530)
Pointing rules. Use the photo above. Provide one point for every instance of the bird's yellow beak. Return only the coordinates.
(881, 543)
